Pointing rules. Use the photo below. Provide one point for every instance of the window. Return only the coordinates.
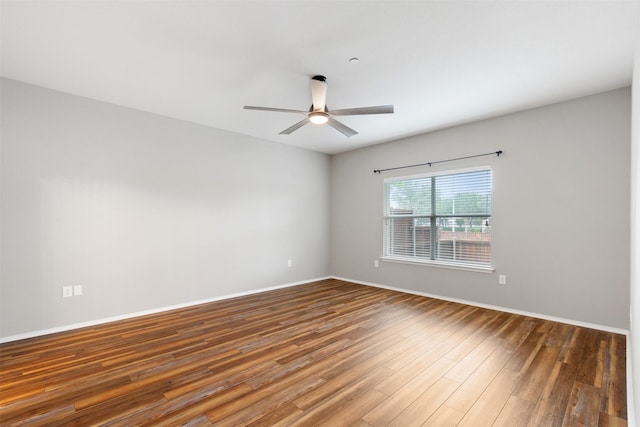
(440, 218)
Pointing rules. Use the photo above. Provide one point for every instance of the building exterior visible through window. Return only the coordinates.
(441, 218)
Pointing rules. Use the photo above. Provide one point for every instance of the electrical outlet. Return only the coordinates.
(77, 290)
(289, 263)
(67, 291)
(502, 279)
(376, 263)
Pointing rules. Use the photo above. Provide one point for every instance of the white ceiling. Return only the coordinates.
(440, 63)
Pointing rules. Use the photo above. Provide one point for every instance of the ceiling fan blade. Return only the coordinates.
(295, 127)
(379, 109)
(344, 129)
(279, 110)
(319, 92)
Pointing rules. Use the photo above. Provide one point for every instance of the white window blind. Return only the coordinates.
(440, 218)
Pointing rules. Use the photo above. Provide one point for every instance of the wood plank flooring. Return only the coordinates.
(327, 353)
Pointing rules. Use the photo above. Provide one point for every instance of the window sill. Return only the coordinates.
(442, 264)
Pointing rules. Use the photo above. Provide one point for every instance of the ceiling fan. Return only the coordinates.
(319, 113)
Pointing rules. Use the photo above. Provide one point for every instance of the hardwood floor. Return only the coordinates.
(328, 353)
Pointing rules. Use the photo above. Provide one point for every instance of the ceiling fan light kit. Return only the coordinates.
(319, 114)
(318, 117)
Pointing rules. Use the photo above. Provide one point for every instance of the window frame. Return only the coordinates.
(433, 220)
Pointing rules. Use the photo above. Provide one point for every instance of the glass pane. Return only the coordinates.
(409, 197)
(464, 239)
(409, 237)
(464, 193)
(400, 238)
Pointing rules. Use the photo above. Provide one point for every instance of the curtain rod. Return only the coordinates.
(497, 153)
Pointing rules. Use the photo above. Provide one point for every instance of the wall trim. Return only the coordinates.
(303, 282)
(73, 326)
(631, 410)
(492, 307)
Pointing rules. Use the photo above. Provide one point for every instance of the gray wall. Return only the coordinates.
(560, 210)
(145, 211)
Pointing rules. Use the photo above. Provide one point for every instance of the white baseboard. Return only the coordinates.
(287, 285)
(631, 410)
(151, 311)
(494, 307)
